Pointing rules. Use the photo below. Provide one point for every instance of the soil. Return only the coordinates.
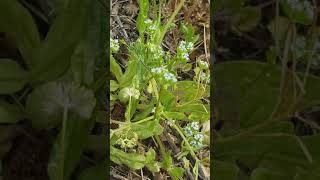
(28, 158)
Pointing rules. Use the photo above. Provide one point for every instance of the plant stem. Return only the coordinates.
(63, 134)
(187, 143)
(166, 27)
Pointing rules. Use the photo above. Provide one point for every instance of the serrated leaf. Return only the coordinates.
(46, 103)
(132, 160)
(151, 163)
(143, 15)
(12, 76)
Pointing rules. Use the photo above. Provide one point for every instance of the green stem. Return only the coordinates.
(166, 27)
(63, 134)
(128, 114)
(186, 141)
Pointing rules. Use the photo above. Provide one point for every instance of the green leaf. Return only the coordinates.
(249, 18)
(188, 91)
(12, 76)
(131, 71)
(224, 170)
(18, 23)
(301, 12)
(98, 172)
(143, 15)
(282, 28)
(132, 160)
(240, 85)
(46, 103)
(189, 32)
(176, 172)
(53, 56)
(113, 86)
(175, 115)
(167, 161)
(115, 69)
(265, 174)
(147, 129)
(9, 113)
(151, 163)
(68, 148)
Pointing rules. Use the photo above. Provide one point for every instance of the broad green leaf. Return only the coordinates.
(131, 71)
(46, 103)
(147, 129)
(9, 113)
(280, 29)
(265, 174)
(277, 147)
(67, 149)
(12, 76)
(151, 163)
(113, 86)
(168, 100)
(18, 23)
(175, 115)
(224, 170)
(143, 15)
(145, 111)
(176, 172)
(98, 172)
(115, 69)
(248, 91)
(193, 107)
(52, 58)
(132, 160)
(249, 17)
(189, 90)
(167, 161)
(300, 11)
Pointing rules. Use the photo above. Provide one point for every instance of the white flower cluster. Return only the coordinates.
(125, 142)
(299, 47)
(156, 51)
(205, 77)
(162, 71)
(114, 45)
(304, 5)
(128, 92)
(184, 49)
(203, 64)
(192, 131)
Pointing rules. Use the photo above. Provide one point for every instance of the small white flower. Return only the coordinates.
(114, 45)
(148, 21)
(199, 137)
(195, 125)
(188, 131)
(153, 27)
(185, 56)
(170, 77)
(203, 64)
(158, 70)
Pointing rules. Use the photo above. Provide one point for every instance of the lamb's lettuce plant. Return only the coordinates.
(155, 91)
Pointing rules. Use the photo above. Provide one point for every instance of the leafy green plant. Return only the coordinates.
(156, 99)
(257, 99)
(58, 82)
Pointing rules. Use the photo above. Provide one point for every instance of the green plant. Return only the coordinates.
(156, 99)
(257, 99)
(57, 83)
